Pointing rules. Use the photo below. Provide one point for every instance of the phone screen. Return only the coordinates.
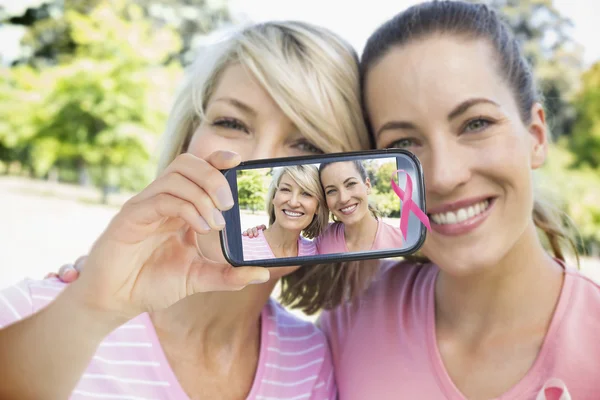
(305, 210)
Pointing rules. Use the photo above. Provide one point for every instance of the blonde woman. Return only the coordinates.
(156, 312)
(297, 213)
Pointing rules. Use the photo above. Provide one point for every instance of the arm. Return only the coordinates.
(147, 259)
(45, 354)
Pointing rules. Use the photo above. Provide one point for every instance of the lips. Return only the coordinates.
(349, 209)
(293, 214)
(461, 217)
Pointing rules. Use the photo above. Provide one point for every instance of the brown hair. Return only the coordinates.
(473, 21)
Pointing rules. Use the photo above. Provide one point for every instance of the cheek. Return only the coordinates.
(311, 206)
(507, 158)
(330, 200)
(206, 141)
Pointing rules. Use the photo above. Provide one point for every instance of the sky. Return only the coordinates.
(356, 20)
(352, 20)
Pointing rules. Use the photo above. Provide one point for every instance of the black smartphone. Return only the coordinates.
(325, 208)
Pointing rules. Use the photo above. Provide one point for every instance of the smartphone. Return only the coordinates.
(325, 208)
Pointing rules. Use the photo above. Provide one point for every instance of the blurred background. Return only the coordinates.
(86, 85)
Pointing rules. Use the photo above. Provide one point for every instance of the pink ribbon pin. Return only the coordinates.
(408, 204)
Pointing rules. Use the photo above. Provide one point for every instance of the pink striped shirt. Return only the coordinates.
(294, 360)
(258, 248)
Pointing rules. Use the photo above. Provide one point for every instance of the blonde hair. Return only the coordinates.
(307, 177)
(312, 74)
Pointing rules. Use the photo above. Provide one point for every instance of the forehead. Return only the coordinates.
(340, 170)
(287, 179)
(238, 82)
(435, 73)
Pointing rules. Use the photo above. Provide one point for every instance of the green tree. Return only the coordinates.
(383, 175)
(49, 39)
(251, 190)
(557, 60)
(105, 107)
(586, 133)
(575, 191)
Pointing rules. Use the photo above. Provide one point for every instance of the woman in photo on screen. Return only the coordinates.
(297, 212)
(357, 225)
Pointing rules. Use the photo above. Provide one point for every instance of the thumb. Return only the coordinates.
(208, 276)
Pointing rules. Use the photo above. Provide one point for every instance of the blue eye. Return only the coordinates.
(477, 124)
(308, 147)
(402, 143)
(231, 123)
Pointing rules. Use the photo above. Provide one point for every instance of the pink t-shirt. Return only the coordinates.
(384, 344)
(294, 360)
(332, 240)
(257, 248)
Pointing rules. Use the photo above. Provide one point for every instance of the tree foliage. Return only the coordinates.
(557, 60)
(586, 132)
(251, 190)
(102, 108)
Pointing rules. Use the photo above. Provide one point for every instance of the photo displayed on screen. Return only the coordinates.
(311, 209)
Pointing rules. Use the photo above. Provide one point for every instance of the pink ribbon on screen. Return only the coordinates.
(408, 204)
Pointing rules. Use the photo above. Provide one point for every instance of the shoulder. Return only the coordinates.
(27, 297)
(307, 247)
(397, 285)
(389, 228)
(294, 332)
(332, 228)
(300, 352)
(572, 349)
(584, 294)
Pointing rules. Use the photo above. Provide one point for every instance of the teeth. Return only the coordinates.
(349, 208)
(463, 214)
(292, 213)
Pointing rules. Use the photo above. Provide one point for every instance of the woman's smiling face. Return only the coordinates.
(346, 193)
(295, 207)
(443, 99)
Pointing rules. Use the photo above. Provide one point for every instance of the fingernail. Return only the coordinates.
(63, 270)
(224, 197)
(229, 155)
(218, 218)
(204, 224)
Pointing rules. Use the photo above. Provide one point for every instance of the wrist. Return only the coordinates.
(82, 309)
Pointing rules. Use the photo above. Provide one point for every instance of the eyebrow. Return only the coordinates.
(238, 104)
(352, 177)
(465, 105)
(457, 111)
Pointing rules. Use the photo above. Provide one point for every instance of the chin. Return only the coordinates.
(464, 260)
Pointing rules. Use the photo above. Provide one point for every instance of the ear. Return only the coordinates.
(539, 136)
(368, 183)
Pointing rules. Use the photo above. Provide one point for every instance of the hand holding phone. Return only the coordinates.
(333, 207)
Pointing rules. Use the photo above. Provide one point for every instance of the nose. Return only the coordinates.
(344, 196)
(294, 201)
(269, 143)
(446, 168)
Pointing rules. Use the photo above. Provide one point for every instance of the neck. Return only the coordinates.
(214, 326)
(527, 279)
(365, 229)
(282, 241)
